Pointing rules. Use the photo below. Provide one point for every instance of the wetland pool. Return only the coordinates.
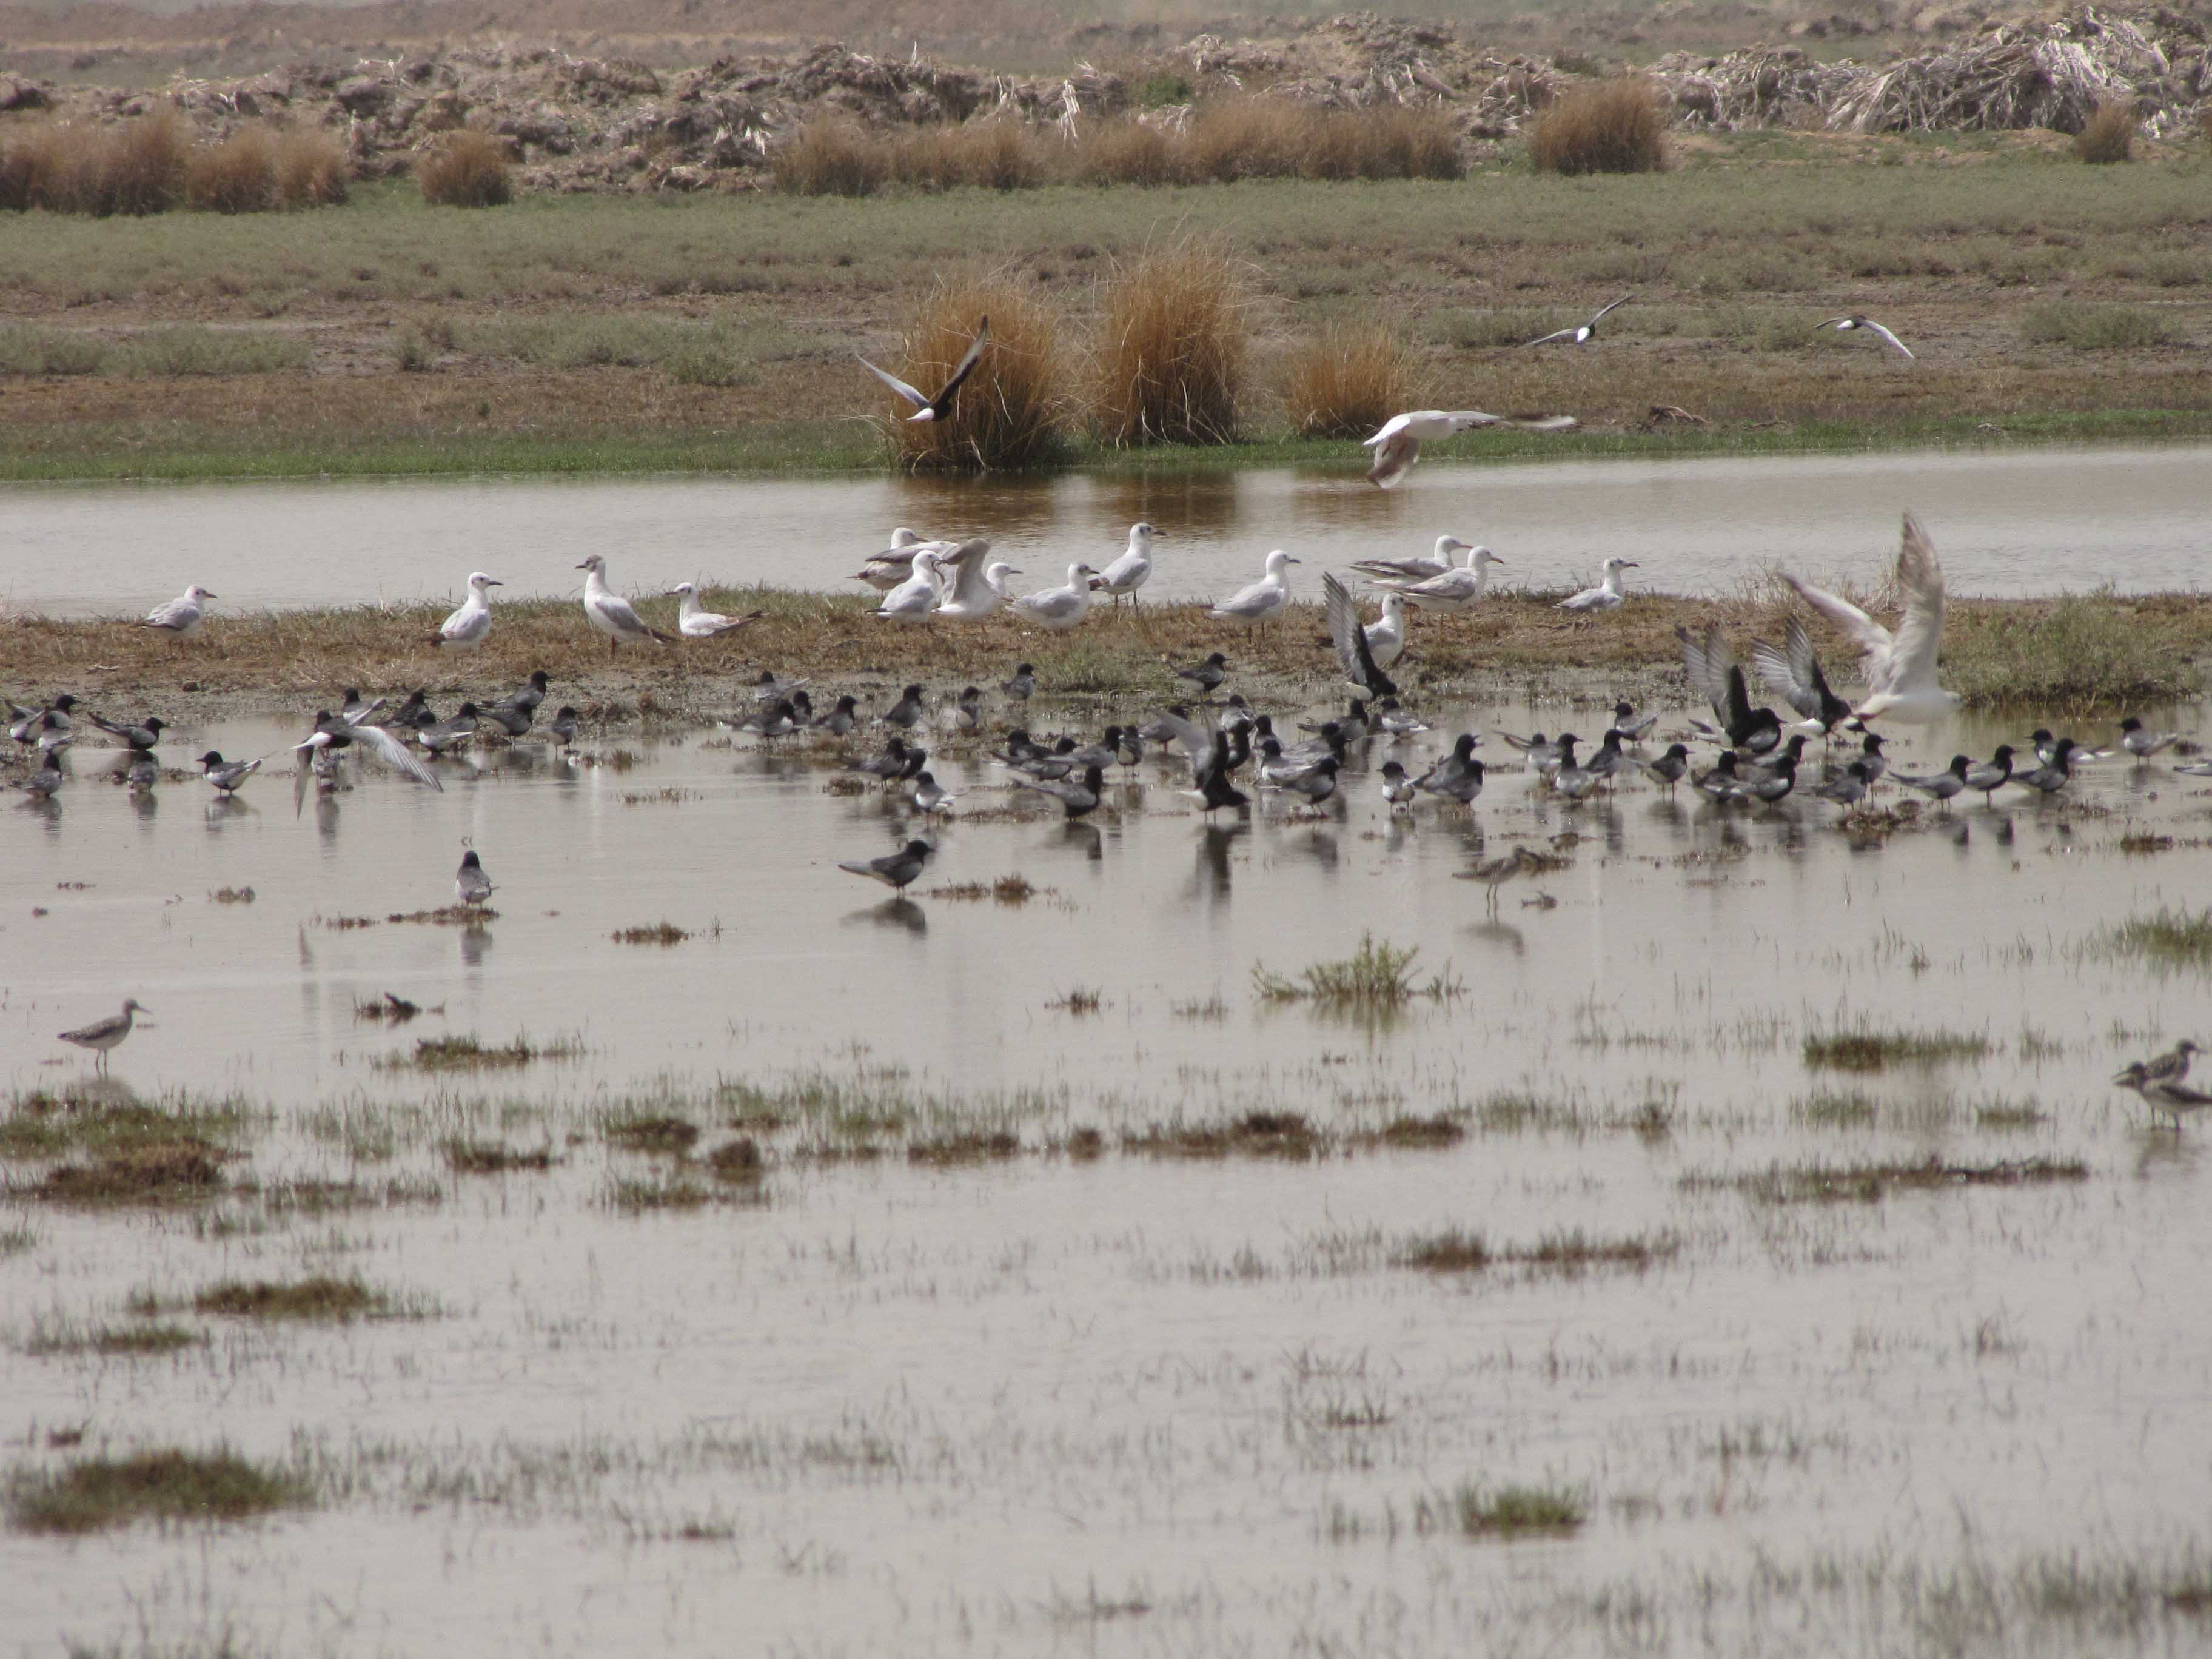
(1072, 1303)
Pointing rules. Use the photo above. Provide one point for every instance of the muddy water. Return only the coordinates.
(1126, 1405)
(2008, 523)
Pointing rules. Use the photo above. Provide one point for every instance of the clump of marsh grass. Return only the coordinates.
(493, 1156)
(2073, 655)
(1616, 127)
(93, 1493)
(831, 157)
(2168, 939)
(1256, 1134)
(1013, 412)
(666, 932)
(159, 1172)
(1171, 353)
(1376, 977)
(318, 1296)
(466, 1054)
(985, 1147)
(468, 169)
(2093, 328)
(1869, 1183)
(2107, 136)
(1864, 1048)
(1503, 1511)
(651, 1132)
(993, 153)
(1349, 380)
(137, 1341)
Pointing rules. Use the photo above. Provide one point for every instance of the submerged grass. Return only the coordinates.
(139, 1340)
(1572, 1251)
(93, 1493)
(1869, 1183)
(320, 1297)
(1504, 1511)
(2168, 940)
(40, 1126)
(1866, 1048)
(1377, 977)
(467, 1054)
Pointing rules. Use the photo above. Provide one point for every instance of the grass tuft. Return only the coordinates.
(469, 169)
(159, 1172)
(1866, 1050)
(2108, 136)
(1172, 347)
(2167, 939)
(831, 157)
(2093, 328)
(1618, 127)
(316, 1297)
(1348, 381)
(666, 932)
(467, 1054)
(93, 1493)
(1375, 978)
(1511, 1511)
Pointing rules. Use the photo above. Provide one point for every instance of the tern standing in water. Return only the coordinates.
(471, 886)
(897, 870)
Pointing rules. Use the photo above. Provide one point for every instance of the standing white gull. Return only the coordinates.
(1132, 569)
(1581, 333)
(470, 625)
(1398, 445)
(913, 600)
(1845, 324)
(975, 589)
(611, 613)
(935, 408)
(694, 621)
(1418, 569)
(1253, 605)
(1900, 667)
(1057, 608)
(1606, 595)
(1455, 589)
(181, 615)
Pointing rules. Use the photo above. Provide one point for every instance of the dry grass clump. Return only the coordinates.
(469, 169)
(1129, 153)
(831, 158)
(1013, 410)
(137, 167)
(311, 169)
(1348, 381)
(1172, 348)
(1618, 127)
(167, 1485)
(2107, 136)
(991, 154)
(238, 175)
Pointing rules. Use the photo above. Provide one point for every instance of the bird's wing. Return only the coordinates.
(1875, 643)
(1350, 639)
(1833, 322)
(624, 615)
(1053, 786)
(966, 364)
(300, 778)
(1198, 739)
(894, 383)
(1779, 668)
(1920, 635)
(966, 562)
(369, 712)
(1246, 599)
(1396, 452)
(1561, 334)
(1887, 335)
(1538, 422)
(1705, 659)
(1615, 306)
(1466, 420)
(169, 613)
(394, 753)
(1394, 570)
(1389, 430)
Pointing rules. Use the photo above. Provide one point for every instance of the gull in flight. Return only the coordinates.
(333, 734)
(470, 625)
(1606, 595)
(694, 621)
(471, 886)
(974, 589)
(1355, 645)
(1794, 674)
(1057, 608)
(1900, 667)
(935, 408)
(1418, 569)
(181, 615)
(1398, 445)
(105, 1034)
(1132, 569)
(1263, 598)
(1581, 333)
(1845, 325)
(1455, 588)
(913, 600)
(611, 613)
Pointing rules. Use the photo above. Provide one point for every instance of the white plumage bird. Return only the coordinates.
(694, 621)
(1455, 589)
(608, 611)
(182, 614)
(913, 600)
(470, 625)
(1845, 324)
(1398, 445)
(1132, 569)
(971, 589)
(1419, 568)
(1606, 596)
(1254, 604)
(1057, 608)
(1900, 667)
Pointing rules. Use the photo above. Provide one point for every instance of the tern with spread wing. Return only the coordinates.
(1845, 324)
(936, 409)
(972, 589)
(1794, 674)
(333, 734)
(1582, 333)
(1355, 651)
(1900, 667)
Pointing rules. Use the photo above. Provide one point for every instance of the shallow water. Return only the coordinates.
(2008, 523)
(1131, 1404)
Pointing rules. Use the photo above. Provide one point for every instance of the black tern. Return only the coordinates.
(841, 719)
(471, 886)
(1458, 775)
(1397, 788)
(929, 796)
(1714, 672)
(1316, 783)
(1631, 729)
(894, 870)
(1794, 674)
(438, 736)
(1993, 774)
(333, 734)
(2054, 773)
(968, 709)
(1354, 653)
(147, 734)
(2141, 741)
(531, 693)
(564, 726)
(1581, 333)
(888, 765)
(1207, 676)
(1023, 686)
(1209, 751)
(906, 713)
(936, 407)
(1667, 771)
(1076, 796)
(226, 775)
(1848, 790)
(1941, 786)
(42, 783)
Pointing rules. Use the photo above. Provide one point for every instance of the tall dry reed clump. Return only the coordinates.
(2107, 136)
(1013, 410)
(1171, 348)
(831, 157)
(1348, 381)
(1262, 137)
(137, 167)
(468, 169)
(994, 153)
(1618, 127)
(256, 170)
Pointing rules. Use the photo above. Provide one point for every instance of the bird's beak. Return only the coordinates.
(1631, 565)
(494, 581)
(206, 595)
(587, 565)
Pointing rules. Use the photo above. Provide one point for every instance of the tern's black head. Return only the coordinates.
(1873, 744)
(1463, 746)
(1024, 668)
(911, 692)
(1611, 740)
(847, 705)
(154, 722)
(470, 861)
(65, 702)
(469, 711)
(2002, 756)
(1391, 770)
(917, 848)
(1092, 779)
(1065, 747)
(895, 747)
(537, 680)
(1960, 763)
(1113, 736)
(1622, 711)
(1271, 748)
(1677, 751)
(2041, 736)
(211, 758)
(2131, 723)
(970, 693)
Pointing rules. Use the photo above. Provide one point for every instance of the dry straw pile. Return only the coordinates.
(468, 169)
(1620, 126)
